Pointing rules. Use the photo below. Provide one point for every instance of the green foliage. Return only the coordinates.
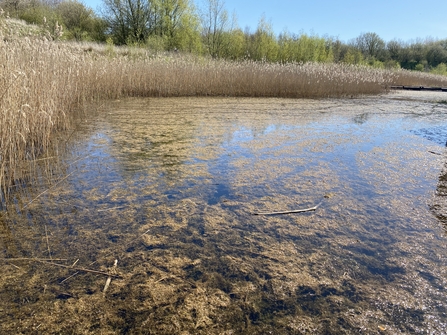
(377, 64)
(419, 67)
(440, 69)
(353, 56)
(304, 49)
(70, 17)
(99, 28)
(262, 44)
(80, 22)
(234, 45)
(184, 33)
(176, 25)
(110, 47)
(38, 13)
(136, 21)
(156, 43)
(392, 64)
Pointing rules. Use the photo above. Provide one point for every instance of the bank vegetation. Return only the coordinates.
(204, 27)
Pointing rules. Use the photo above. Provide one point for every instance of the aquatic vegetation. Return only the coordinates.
(168, 187)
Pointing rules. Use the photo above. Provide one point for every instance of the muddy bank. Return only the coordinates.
(168, 187)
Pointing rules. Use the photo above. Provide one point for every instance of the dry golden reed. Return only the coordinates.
(42, 82)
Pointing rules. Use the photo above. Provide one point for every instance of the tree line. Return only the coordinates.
(209, 29)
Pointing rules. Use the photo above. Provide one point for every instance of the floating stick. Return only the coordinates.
(289, 212)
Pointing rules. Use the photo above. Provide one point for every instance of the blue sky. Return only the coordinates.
(404, 20)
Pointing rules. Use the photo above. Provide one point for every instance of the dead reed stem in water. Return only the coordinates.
(81, 269)
(32, 259)
(48, 243)
(60, 181)
(109, 279)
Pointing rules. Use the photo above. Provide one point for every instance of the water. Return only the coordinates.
(168, 187)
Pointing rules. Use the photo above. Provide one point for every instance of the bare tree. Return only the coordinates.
(215, 23)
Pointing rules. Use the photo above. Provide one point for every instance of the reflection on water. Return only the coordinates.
(168, 188)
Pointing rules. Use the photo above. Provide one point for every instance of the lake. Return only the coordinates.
(182, 193)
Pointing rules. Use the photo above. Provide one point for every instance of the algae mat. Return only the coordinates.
(168, 188)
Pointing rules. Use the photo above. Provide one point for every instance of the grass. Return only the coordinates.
(43, 82)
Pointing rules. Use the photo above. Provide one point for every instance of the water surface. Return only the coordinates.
(168, 187)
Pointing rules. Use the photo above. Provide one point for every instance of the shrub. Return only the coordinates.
(441, 69)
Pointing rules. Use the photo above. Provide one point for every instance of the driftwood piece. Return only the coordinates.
(290, 212)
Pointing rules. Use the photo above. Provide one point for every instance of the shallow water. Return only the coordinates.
(168, 187)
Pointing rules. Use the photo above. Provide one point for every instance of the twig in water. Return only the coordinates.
(33, 259)
(79, 159)
(107, 254)
(81, 269)
(290, 212)
(60, 181)
(40, 159)
(74, 274)
(109, 209)
(48, 244)
(166, 277)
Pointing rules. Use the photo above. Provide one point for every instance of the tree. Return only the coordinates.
(134, 21)
(338, 50)
(177, 20)
(185, 33)
(370, 45)
(128, 20)
(263, 44)
(394, 49)
(215, 27)
(234, 47)
(353, 56)
(436, 55)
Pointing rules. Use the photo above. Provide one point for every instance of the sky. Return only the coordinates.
(404, 20)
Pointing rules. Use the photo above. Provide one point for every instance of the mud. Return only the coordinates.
(168, 187)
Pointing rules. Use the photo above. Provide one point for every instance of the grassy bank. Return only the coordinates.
(42, 82)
